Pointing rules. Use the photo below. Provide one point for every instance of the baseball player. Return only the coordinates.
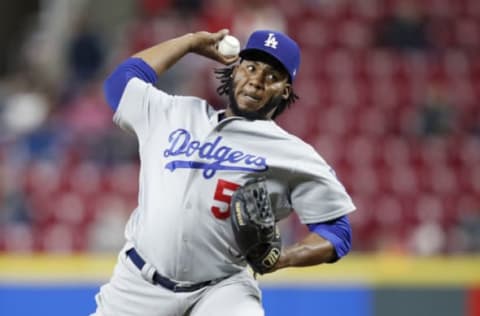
(182, 256)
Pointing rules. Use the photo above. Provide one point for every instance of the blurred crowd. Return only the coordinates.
(389, 95)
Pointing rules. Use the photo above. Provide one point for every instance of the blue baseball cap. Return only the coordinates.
(276, 44)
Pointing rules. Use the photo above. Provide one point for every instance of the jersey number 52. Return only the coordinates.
(223, 193)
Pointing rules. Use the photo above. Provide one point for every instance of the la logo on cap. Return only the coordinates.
(271, 41)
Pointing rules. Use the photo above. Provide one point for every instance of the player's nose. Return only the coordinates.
(256, 80)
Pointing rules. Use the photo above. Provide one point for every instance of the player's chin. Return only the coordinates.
(249, 110)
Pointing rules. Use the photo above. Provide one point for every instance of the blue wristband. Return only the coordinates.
(338, 232)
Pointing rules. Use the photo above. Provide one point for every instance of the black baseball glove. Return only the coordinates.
(253, 223)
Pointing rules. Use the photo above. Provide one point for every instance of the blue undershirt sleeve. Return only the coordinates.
(338, 232)
(117, 81)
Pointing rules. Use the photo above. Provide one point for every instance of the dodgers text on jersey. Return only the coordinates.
(213, 156)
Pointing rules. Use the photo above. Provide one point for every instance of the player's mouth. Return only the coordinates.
(250, 102)
(252, 98)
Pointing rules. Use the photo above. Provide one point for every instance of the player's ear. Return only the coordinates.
(287, 90)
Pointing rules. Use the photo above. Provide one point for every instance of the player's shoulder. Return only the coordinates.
(160, 93)
(189, 99)
(289, 137)
(298, 148)
(195, 103)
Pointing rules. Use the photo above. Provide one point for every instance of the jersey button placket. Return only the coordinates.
(188, 206)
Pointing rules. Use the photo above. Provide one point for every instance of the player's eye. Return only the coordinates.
(271, 77)
(251, 68)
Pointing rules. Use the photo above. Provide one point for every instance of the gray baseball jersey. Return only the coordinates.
(191, 162)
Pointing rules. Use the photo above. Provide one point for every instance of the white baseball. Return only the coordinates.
(229, 46)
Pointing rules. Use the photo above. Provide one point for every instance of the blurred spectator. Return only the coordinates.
(14, 16)
(405, 29)
(112, 148)
(428, 239)
(106, 233)
(469, 225)
(25, 106)
(188, 7)
(15, 211)
(436, 114)
(87, 114)
(14, 207)
(85, 52)
(476, 128)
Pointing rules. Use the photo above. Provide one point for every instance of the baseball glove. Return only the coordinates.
(253, 223)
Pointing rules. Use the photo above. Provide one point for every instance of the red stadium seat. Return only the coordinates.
(429, 207)
(472, 8)
(57, 238)
(364, 180)
(69, 208)
(361, 151)
(389, 211)
(17, 238)
(467, 34)
(403, 180)
(85, 178)
(354, 35)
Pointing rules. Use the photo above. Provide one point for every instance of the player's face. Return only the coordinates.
(256, 84)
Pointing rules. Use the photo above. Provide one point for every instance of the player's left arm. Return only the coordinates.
(326, 243)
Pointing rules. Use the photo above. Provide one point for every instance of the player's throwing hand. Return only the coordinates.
(206, 44)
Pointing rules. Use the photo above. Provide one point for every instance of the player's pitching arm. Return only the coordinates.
(326, 243)
(148, 64)
(163, 55)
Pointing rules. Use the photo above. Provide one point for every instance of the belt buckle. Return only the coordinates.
(148, 273)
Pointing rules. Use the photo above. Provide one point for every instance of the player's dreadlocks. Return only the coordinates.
(225, 75)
